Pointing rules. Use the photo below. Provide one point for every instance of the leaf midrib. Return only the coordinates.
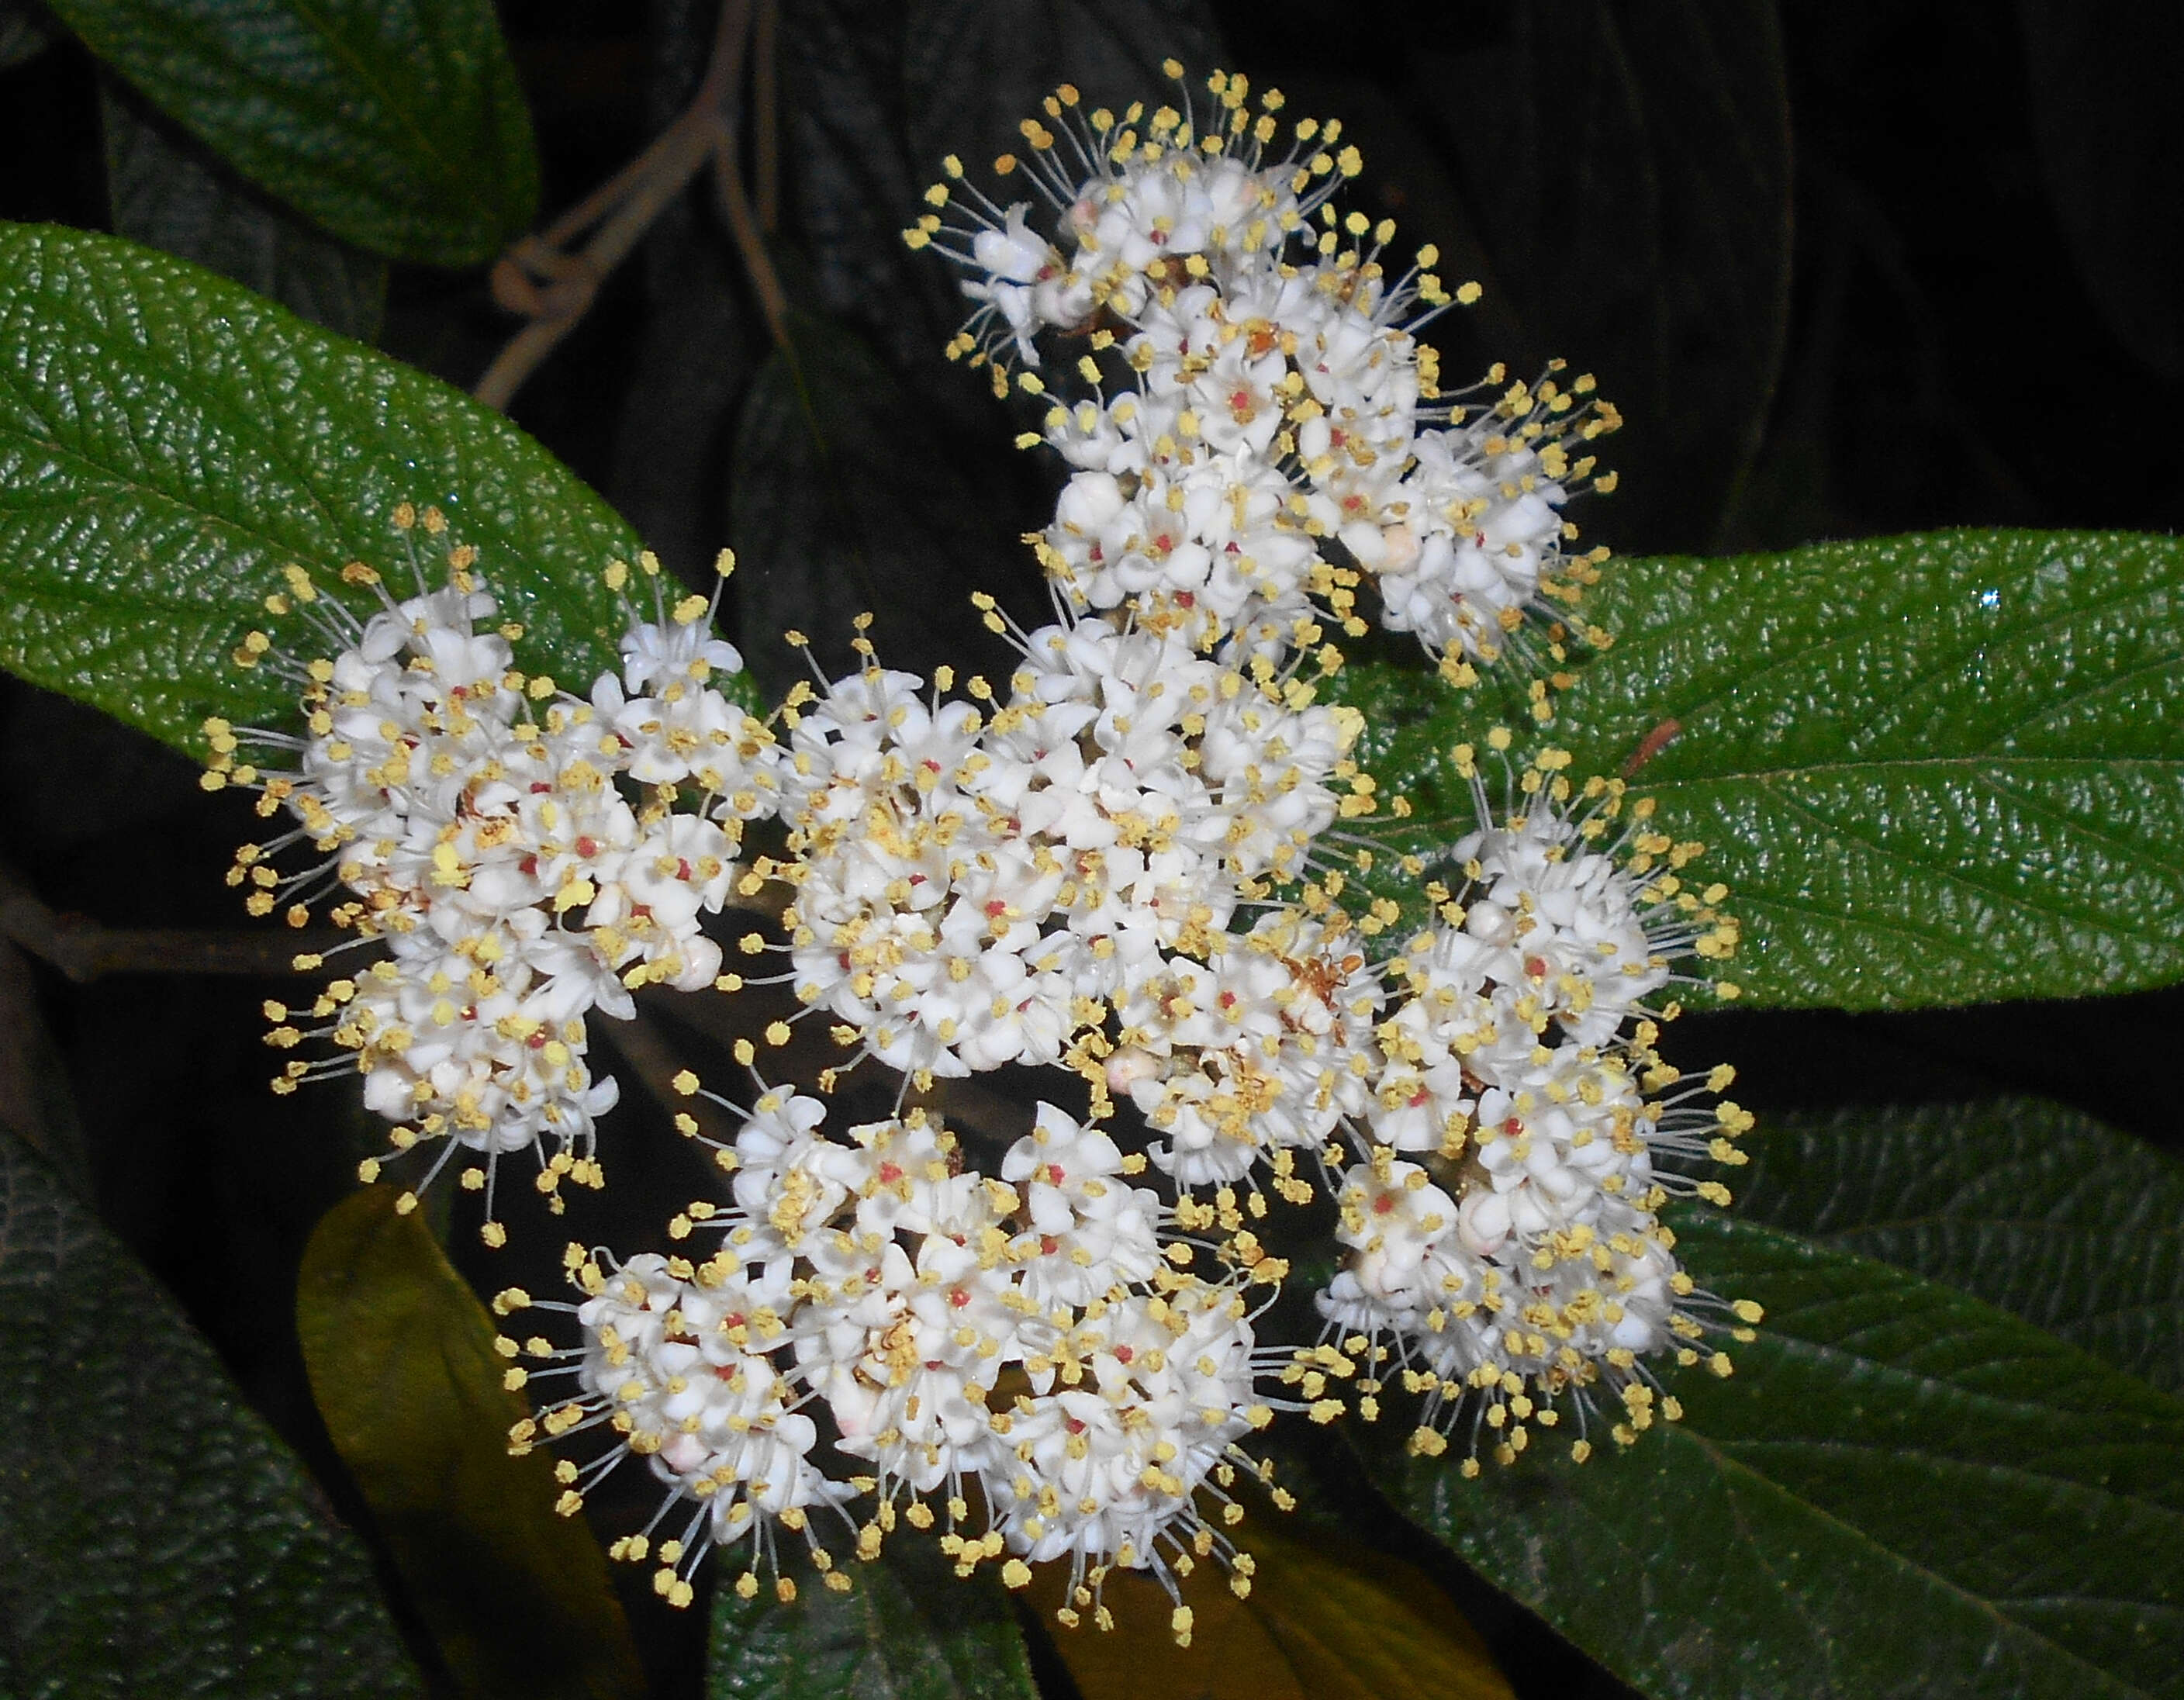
(1923, 1457)
(449, 171)
(1710, 705)
(1908, 763)
(1958, 877)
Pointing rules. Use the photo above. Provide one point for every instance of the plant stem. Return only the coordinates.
(541, 278)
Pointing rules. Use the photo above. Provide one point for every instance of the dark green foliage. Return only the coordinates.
(1929, 770)
(906, 1629)
(159, 1539)
(398, 127)
(2031, 1207)
(167, 192)
(169, 441)
(1901, 1490)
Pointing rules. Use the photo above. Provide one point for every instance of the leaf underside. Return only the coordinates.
(402, 1364)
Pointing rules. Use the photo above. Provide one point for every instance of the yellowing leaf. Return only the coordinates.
(401, 1361)
(1326, 1620)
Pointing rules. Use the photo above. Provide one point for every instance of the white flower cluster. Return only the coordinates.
(1128, 864)
(1275, 435)
(976, 889)
(474, 820)
(1028, 1336)
(1503, 1231)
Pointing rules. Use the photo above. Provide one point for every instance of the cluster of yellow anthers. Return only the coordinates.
(1155, 864)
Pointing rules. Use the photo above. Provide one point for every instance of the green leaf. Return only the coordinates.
(169, 441)
(1930, 770)
(396, 124)
(906, 1629)
(159, 1539)
(402, 1362)
(167, 193)
(2029, 1206)
(1901, 1490)
(1411, 722)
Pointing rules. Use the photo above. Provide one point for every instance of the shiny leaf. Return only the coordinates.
(2029, 1206)
(1412, 721)
(159, 1541)
(906, 1629)
(166, 192)
(1901, 1490)
(396, 124)
(402, 1364)
(1325, 1619)
(170, 441)
(1930, 770)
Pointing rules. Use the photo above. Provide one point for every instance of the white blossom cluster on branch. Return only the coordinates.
(1261, 430)
(1150, 862)
(522, 855)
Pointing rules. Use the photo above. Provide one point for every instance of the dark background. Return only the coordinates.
(1849, 269)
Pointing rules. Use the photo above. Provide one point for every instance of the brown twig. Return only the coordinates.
(540, 278)
(766, 114)
(736, 208)
(85, 951)
(36, 1104)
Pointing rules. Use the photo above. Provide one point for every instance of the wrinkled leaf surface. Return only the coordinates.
(170, 441)
(165, 193)
(1901, 1490)
(396, 124)
(2029, 1206)
(1931, 770)
(159, 1541)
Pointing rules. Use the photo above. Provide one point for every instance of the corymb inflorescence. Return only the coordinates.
(1257, 430)
(1041, 1320)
